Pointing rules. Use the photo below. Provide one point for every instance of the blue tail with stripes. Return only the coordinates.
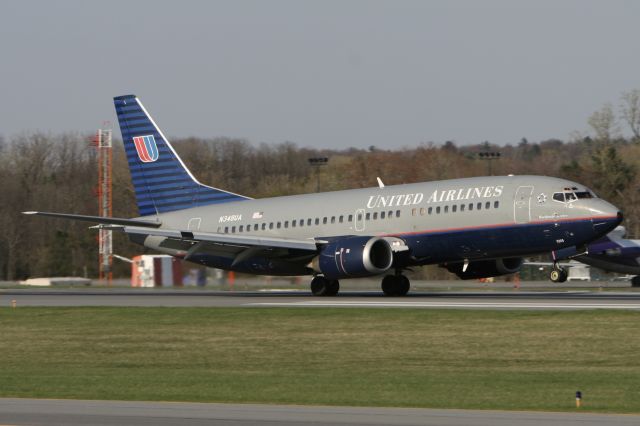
(161, 180)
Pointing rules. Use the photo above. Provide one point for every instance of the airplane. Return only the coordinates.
(474, 227)
(611, 252)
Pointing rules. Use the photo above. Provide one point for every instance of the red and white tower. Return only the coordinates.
(105, 155)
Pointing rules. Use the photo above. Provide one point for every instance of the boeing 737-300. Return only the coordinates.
(474, 227)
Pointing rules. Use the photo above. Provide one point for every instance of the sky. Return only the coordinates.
(321, 74)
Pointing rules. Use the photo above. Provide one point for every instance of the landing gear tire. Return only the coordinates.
(558, 275)
(635, 281)
(321, 286)
(395, 285)
(333, 288)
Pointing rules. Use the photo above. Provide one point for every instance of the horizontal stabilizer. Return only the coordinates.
(99, 219)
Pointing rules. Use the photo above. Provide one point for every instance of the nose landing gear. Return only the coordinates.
(558, 274)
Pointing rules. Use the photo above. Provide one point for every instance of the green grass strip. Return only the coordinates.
(515, 360)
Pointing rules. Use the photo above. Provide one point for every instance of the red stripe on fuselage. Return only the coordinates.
(498, 225)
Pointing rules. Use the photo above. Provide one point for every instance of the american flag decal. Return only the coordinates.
(147, 148)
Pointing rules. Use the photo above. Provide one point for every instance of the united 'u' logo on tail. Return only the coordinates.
(147, 148)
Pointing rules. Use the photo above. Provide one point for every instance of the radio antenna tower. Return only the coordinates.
(105, 155)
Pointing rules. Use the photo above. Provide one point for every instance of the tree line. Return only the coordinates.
(58, 172)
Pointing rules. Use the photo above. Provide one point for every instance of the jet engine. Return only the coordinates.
(354, 257)
(486, 268)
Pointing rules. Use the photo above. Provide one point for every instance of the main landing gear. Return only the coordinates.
(558, 274)
(321, 286)
(392, 285)
(395, 285)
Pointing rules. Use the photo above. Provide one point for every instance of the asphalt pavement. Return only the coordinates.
(36, 412)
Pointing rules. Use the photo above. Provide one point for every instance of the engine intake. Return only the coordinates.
(355, 257)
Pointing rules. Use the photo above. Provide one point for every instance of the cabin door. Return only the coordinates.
(522, 204)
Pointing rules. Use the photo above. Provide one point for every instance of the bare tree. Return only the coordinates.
(630, 111)
(604, 123)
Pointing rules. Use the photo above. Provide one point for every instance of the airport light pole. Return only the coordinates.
(489, 156)
(318, 162)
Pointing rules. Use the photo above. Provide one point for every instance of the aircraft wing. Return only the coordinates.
(98, 219)
(146, 228)
(227, 239)
(192, 245)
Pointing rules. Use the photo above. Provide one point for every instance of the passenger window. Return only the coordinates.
(462, 207)
(422, 211)
(271, 225)
(351, 218)
(308, 222)
(390, 215)
(375, 215)
(397, 213)
(454, 208)
(470, 206)
(487, 205)
(226, 229)
(218, 231)
(438, 210)
(414, 212)
(324, 220)
(233, 229)
(367, 216)
(341, 219)
(317, 221)
(496, 204)
(446, 209)
(430, 210)
(558, 196)
(382, 215)
(333, 219)
(279, 225)
(479, 206)
(301, 223)
(241, 228)
(264, 226)
(293, 223)
(255, 227)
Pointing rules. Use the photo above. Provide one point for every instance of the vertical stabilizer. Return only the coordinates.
(161, 180)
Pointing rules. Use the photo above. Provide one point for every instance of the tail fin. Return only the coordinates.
(161, 180)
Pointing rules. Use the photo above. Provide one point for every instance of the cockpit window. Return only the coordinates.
(571, 196)
(584, 194)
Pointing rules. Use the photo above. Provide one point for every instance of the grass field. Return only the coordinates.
(522, 360)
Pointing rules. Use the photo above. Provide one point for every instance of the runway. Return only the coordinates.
(87, 413)
(559, 300)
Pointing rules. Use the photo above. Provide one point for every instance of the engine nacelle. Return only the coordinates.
(354, 257)
(487, 268)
